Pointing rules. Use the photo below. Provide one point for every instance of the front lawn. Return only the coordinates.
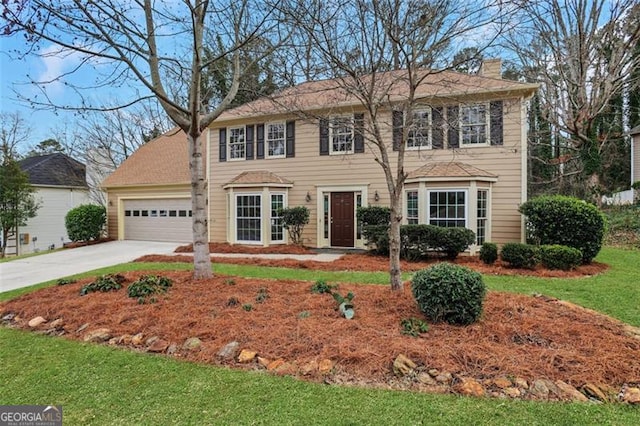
(101, 385)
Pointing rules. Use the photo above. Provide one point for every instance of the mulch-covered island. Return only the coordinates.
(523, 347)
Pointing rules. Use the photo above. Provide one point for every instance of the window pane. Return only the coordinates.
(248, 218)
(447, 208)
(275, 139)
(277, 230)
(412, 207)
(341, 134)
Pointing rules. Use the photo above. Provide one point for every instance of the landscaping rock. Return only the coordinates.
(191, 343)
(275, 364)
(512, 392)
(172, 349)
(469, 387)
(325, 366)
(631, 396)
(433, 372)
(151, 340)
(37, 321)
(125, 339)
(569, 392)
(539, 389)
(158, 346)
(58, 323)
(246, 356)
(632, 331)
(137, 339)
(595, 392)
(98, 335)
(113, 341)
(9, 317)
(502, 383)
(229, 350)
(308, 368)
(554, 391)
(426, 379)
(83, 327)
(521, 383)
(445, 378)
(264, 362)
(403, 365)
(287, 369)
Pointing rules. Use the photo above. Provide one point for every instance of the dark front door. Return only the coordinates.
(342, 222)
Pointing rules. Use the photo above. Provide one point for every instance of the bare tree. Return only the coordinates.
(156, 49)
(581, 51)
(15, 133)
(380, 52)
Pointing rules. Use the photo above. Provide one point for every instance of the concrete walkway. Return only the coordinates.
(33, 270)
(45, 267)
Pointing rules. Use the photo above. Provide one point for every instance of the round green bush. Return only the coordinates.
(560, 257)
(566, 221)
(85, 222)
(449, 293)
(489, 253)
(519, 255)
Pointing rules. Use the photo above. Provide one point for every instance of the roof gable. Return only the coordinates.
(54, 170)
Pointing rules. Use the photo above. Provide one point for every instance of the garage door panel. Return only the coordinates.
(158, 220)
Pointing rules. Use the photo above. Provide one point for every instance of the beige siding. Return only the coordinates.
(636, 158)
(116, 198)
(309, 170)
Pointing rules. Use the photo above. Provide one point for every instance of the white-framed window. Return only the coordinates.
(341, 135)
(248, 218)
(482, 216)
(237, 143)
(419, 135)
(277, 230)
(474, 125)
(412, 207)
(275, 138)
(447, 208)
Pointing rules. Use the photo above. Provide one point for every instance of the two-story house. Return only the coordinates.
(465, 156)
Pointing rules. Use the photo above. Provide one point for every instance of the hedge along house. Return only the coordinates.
(465, 158)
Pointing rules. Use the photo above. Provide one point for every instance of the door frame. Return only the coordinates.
(321, 190)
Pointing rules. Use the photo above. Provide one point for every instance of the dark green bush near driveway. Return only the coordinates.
(85, 222)
(566, 221)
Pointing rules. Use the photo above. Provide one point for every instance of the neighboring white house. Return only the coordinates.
(61, 185)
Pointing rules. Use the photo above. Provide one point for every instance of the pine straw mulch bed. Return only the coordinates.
(518, 336)
(239, 248)
(371, 263)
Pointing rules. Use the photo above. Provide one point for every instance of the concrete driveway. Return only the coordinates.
(33, 270)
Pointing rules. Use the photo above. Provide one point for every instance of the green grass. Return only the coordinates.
(101, 385)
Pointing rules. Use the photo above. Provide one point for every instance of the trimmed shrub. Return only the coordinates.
(519, 255)
(417, 240)
(489, 253)
(85, 222)
(377, 237)
(449, 293)
(374, 215)
(560, 257)
(293, 220)
(455, 241)
(566, 221)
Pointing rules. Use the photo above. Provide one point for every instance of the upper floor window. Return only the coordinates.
(237, 143)
(341, 136)
(420, 131)
(474, 125)
(275, 138)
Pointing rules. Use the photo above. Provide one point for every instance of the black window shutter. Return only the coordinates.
(324, 136)
(222, 155)
(495, 120)
(291, 139)
(249, 142)
(260, 141)
(358, 138)
(397, 129)
(437, 128)
(454, 127)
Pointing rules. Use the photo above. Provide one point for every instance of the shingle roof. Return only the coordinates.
(258, 177)
(449, 170)
(161, 161)
(330, 93)
(635, 131)
(55, 170)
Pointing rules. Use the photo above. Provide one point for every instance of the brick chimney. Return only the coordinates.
(491, 68)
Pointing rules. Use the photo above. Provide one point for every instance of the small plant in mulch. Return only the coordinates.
(230, 281)
(304, 314)
(233, 301)
(247, 307)
(147, 286)
(413, 327)
(345, 304)
(262, 295)
(65, 281)
(104, 283)
(321, 287)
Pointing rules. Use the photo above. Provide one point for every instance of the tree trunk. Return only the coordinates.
(395, 273)
(199, 202)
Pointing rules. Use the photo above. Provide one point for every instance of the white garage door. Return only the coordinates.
(158, 220)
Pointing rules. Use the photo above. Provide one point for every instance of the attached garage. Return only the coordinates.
(162, 219)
